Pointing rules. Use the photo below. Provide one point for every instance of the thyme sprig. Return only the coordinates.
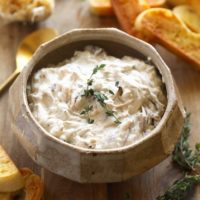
(117, 83)
(180, 188)
(89, 91)
(86, 111)
(187, 159)
(101, 99)
(99, 96)
(111, 92)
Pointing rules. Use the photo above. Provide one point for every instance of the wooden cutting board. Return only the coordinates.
(71, 14)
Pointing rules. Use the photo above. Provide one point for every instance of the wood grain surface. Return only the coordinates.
(71, 14)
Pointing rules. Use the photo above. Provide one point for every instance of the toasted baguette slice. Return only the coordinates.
(188, 15)
(168, 30)
(10, 177)
(177, 2)
(196, 5)
(101, 7)
(127, 11)
(33, 185)
(156, 3)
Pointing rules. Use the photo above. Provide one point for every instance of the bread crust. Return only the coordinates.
(127, 11)
(168, 30)
(101, 8)
(188, 15)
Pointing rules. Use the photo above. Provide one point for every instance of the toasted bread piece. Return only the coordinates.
(177, 2)
(156, 3)
(127, 11)
(101, 7)
(196, 5)
(25, 10)
(168, 30)
(188, 15)
(33, 185)
(10, 178)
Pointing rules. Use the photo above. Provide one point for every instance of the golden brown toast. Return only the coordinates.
(168, 30)
(101, 7)
(33, 185)
(23, 182)
(11, 179)
(196, 5)
(127, 11)
(188, 15)
(156, 3)
(32, 190)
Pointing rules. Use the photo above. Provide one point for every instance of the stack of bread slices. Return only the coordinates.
(21, 183)
(175, 24)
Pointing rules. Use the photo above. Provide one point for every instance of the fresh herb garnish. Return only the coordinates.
(183, 155)
(101, 99)
(111, 92)
(86, 111)
(97, 68)
(116, 83)
(187, 160)
(99, 96)
(89, 91)
(111, 114)
(89, 82)
(180, 189)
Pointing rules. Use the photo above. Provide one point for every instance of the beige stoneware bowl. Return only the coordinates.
(94, 166)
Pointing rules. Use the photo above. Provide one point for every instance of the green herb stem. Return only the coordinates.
(187, 159)
(99, 96)
(180, 188)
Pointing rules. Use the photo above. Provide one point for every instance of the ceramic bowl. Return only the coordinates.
(87, 165)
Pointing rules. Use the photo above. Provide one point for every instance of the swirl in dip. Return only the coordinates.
(98, 101)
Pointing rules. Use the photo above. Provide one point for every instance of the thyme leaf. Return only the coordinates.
(187, 159)
(86, 111)
(101, 99)
(116, 83)
(180, 188)
(88, 91)
(111, 92)
(89, 82)
(97, 68)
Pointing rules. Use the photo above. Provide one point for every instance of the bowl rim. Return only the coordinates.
(169, 84)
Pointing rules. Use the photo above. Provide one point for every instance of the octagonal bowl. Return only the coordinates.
(87, 165)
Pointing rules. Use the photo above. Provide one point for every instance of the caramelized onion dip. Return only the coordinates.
(98, 101)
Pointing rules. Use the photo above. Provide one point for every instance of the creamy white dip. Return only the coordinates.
(134, 89)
